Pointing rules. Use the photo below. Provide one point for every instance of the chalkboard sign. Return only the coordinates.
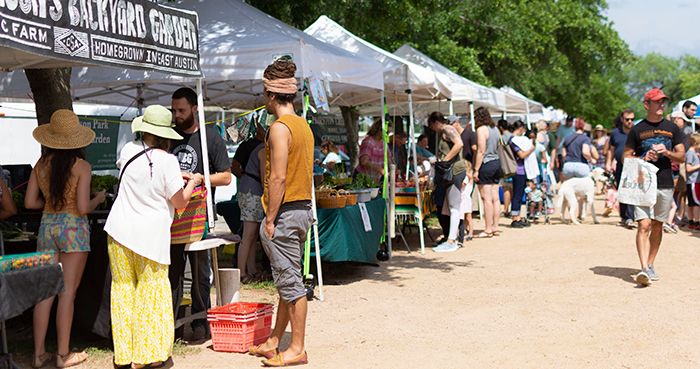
(332, 127)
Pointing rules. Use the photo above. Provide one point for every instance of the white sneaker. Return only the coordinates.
(446, 247)
(642, 278)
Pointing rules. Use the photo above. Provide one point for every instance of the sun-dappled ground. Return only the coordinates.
(548, 296)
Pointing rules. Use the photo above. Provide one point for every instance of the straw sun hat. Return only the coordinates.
(64, 131)
(156, 120)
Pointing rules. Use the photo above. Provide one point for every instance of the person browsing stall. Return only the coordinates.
(138, 226)
(288, 182)
(658, 142)
(60, 185)
(189, 154)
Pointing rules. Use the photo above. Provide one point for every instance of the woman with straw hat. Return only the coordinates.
(60, 185)
(150, 189)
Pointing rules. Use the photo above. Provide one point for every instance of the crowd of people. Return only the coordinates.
(552, 153)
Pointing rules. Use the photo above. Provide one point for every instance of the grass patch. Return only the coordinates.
(261, 285)
(182, 349)
(98, 353)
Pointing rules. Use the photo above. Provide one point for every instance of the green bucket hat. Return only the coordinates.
(156, 120)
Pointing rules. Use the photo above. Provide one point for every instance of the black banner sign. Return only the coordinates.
(132, 34)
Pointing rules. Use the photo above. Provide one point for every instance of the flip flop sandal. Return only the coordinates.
(484, 235)
(278, 360)
(256, 351)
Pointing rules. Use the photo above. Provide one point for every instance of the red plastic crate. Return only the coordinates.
(237, 326)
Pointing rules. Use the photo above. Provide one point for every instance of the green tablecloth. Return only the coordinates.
(342, 234)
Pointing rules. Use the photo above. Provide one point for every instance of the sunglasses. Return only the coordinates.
(629, 119)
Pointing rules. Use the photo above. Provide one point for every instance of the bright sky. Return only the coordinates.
(664, 26)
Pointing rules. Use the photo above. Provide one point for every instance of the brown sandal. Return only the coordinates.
(257, 351)
(278, 360)
(41, 360)
(70, 359)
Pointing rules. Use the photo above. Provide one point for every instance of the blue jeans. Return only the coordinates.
(519, 181)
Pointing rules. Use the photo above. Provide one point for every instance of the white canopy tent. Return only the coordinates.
(399, 74)
(402, 78)
(464, 91)
(238, 42)
(520, 104)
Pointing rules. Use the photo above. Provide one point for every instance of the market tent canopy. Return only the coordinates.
(463, 90)
(238, 42)
(399, 74)
(136, 34)
(518, 103)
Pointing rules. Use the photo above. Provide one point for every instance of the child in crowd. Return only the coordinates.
(535, 200)
(692, 167)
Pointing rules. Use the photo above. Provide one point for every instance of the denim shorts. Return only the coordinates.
(63, 232)
(576, 170)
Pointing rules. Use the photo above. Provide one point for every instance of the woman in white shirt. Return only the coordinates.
(150, 189)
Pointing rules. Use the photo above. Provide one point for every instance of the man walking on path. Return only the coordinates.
(615, 150)
(289, 154)
(659, 142)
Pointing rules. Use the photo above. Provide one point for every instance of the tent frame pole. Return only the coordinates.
(471, 115)
(314, 225)
(527, 115)
(390, 225)
(205, 154)
(415, 170)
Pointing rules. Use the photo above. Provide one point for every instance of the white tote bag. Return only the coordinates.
(638, 183)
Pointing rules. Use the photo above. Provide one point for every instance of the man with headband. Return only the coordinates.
(289, 154)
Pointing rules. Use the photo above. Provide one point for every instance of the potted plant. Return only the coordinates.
(364, 186)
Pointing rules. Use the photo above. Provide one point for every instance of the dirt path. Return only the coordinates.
(550, 296)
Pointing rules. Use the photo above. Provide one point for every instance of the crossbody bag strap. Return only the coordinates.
(119, 183)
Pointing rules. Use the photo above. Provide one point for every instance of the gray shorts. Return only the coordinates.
(285, 248)
(660, 210)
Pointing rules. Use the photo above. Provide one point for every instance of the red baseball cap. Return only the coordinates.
(655, 94)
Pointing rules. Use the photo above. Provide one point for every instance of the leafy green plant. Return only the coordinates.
(362, 181)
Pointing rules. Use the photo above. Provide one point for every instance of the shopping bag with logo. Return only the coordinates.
(637, 183)
(189, 223)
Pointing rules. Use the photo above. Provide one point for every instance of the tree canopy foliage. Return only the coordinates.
(563, 53)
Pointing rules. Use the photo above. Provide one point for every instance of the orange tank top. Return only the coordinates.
(299, 164)
(43, 175)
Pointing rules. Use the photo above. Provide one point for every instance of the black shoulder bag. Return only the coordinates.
(119, 183)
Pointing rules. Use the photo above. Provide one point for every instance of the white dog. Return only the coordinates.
(578, 194)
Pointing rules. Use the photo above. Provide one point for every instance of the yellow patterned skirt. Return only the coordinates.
(141, 304)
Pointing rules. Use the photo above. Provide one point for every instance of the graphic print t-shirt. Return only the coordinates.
(189, 153)
(646, 134)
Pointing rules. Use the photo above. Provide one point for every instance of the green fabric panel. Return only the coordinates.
(343, 236)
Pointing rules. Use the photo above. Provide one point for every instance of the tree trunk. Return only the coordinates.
(51, 91)
(351, 119)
